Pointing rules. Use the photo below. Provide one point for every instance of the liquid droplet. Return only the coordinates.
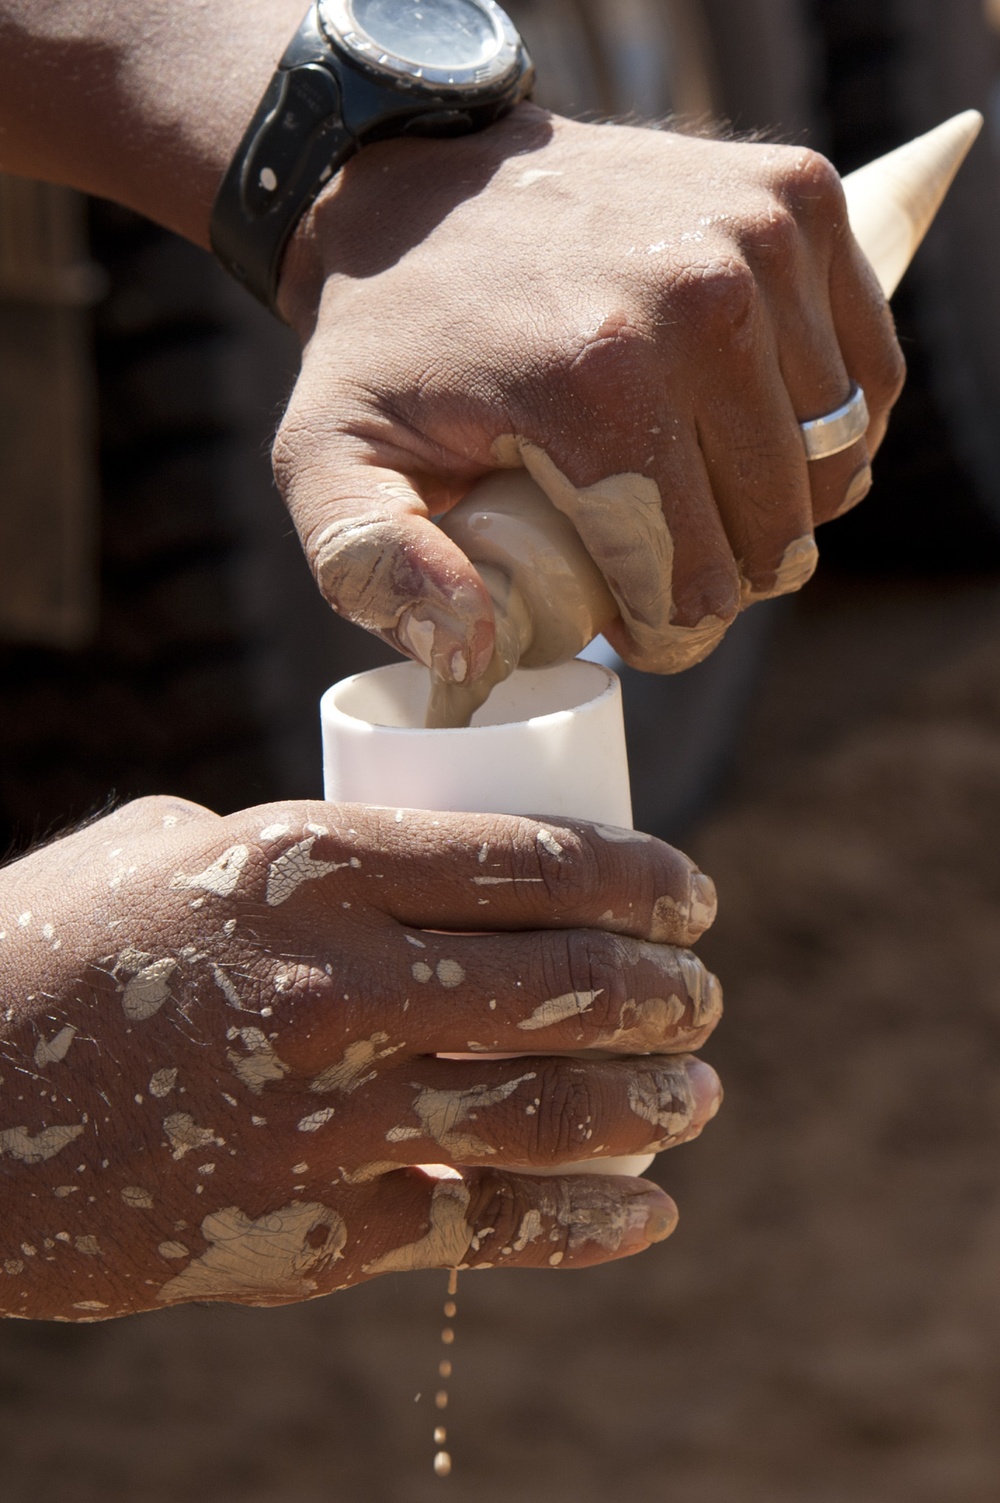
(440, 1435)
(447, 1335)
(441, 1398)
(442, 1464)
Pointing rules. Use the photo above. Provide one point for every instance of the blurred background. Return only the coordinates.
(825, 1325)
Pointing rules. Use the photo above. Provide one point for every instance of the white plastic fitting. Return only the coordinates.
(548, 741)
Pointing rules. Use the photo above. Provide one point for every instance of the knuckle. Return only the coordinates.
(717, 298)
(809, 186)
(618, 349)
(771, 234)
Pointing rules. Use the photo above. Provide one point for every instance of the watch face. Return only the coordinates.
(460, 43)
(430, 33)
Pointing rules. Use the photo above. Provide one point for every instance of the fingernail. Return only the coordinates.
(861, 484)
(706, 1088)
(661, 1217)
(704, 902)
(703, 988)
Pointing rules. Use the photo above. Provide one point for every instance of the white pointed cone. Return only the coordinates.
(892, 202)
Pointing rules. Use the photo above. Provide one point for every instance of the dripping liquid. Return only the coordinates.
(442, 1459)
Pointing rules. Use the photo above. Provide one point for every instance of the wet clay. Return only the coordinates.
(549, 598)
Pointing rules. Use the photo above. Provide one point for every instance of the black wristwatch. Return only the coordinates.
(358, 71)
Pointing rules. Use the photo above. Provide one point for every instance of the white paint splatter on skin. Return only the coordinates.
(162, 1082)
(502, 881)
(402, 1134)
(226, 987)
(138, 1198)
(289, 871)
(183, 1134)
(663, 1097)
(354, 1069)
(89, 1246)
(446, 1241)
(421, 971)
(274, 832)
(89, 1304)
(558, 1009)
(530, 1229)
(145, 993)
(281, 1255)
(222, 877)
(532, 175)
(315, 1120)
(411, 939)
(260, 1065)
(618, 835)
(443, 1114)
(449, 973)
(49, 1052)
(548, 842)
(62, 1191)
(18, 1142)
(173, 1250)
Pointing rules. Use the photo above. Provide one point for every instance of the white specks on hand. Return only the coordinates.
(443, 1114)
(183, 1134)
(172, 1250)
(13, 1266)
(449, 973)
(229, 928)
(19, 1143)
(61, 1191)
(89, 1304)
(89, 1246)
(24, 919)
(530, 1229)
(558, 1009)
(258, 1121)
(288, 872)
(138, 1198)
(421, 971)
(162, 1082)
(447, 1240)
(146, 991)
(503, 881)
(411, 939)
(205, 1169)
(315, 1120)
(402, 1134)
(51, 1051)
(548, 842)
(354, 1069)
(274, 832)
(280, 1256)
(532, 175)
(222, 877)
(260, 1064)
(226, 987)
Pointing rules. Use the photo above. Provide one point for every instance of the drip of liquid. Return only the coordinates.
(442, 1459)
(549, 598)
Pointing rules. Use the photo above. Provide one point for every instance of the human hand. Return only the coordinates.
(639, 318)
(220, 1047)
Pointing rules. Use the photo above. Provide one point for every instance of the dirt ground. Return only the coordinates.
(825, 1325)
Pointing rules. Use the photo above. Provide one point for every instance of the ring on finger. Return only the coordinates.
(838, 430)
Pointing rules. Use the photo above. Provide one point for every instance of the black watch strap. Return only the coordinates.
(292, 146)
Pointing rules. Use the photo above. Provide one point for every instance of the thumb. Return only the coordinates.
(381, 562)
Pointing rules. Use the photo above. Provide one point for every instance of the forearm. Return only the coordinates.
(142, 101)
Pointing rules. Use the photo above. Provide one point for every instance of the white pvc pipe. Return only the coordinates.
(548, 741)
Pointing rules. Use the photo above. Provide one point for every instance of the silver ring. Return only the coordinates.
(828, 435)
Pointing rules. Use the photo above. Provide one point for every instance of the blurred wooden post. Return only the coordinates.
(48, 441)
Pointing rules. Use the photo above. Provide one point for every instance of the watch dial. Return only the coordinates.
(430, 33)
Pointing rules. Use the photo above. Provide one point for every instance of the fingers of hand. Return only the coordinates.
(551, 991)
(535, 1111)
(867, 337)
(379, 560)
(490, 871)
(489, 1219)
